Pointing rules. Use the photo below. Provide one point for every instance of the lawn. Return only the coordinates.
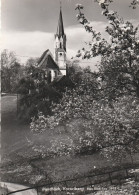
(13, 132)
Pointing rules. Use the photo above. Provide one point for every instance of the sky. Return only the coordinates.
(28, 26)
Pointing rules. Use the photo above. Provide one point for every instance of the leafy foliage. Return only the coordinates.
(134, 4)
(92, 124)
(120, 56)
(32, 62)
(11, 71)
(35, 94)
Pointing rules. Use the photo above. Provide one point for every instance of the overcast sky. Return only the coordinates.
(28, 26)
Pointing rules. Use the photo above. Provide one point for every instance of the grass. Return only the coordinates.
(21, 164)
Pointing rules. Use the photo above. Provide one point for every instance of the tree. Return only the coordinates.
(32, 62)
(35, 94)
(74, 71)
(134, 4)
(72, 111)
(93, 125)
(123, 47)
(11, 71)
(8, 58)
(117, 79)
(118, 72)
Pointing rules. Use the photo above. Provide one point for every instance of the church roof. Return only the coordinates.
(46, 61)
(60, 27)
(42, 56)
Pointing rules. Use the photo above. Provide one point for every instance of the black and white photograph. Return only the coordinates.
(69, 97)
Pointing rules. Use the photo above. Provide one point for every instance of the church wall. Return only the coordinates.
(63, 72)
(52, 75)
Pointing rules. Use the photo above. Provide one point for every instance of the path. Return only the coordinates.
(14, 187)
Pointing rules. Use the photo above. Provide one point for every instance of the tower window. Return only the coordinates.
(60, 54)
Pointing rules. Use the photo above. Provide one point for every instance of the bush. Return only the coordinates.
(109, 127)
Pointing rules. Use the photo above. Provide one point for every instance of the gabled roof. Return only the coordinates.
(42, 56)
(46, 61)
(60, 27)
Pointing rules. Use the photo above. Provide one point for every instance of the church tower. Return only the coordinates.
(60, 45)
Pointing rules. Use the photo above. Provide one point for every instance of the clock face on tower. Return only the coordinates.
(61, 59)
(60, 54)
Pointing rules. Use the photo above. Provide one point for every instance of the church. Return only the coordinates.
(54, 66)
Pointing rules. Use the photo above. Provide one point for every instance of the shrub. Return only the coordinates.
(100, 125)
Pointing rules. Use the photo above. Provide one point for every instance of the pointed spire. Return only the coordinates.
(60, 5)
(60, 27)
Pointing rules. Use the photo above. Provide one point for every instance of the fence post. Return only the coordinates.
(37, 191)
(92, 185)
(110, 178)
(17, 105)
(119, 181)
(136, 178)
(90, 181)
(126, 172)
(66, 186)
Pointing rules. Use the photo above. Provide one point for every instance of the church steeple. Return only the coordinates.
(60, 45)
(61, 42)
(60, 27)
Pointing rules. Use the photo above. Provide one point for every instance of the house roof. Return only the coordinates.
(42, 56)
(46, 61)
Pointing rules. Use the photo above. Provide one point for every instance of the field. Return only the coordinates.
(21, 164)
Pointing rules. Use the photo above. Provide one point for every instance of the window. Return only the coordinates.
(49, 77)
(55, 73)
